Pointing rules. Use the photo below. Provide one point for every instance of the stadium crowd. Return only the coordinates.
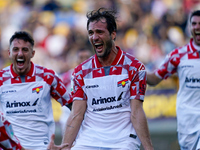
(148, 29)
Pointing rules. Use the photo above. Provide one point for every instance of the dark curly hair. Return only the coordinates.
(23, 35)
(195, 13)
(109, 15)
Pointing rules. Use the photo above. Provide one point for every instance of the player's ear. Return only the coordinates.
(33, 53)
(113, 35)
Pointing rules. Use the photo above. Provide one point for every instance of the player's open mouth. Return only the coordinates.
(20, 62)
(99, 46)
(197, 34)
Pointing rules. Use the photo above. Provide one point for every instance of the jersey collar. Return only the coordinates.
(115, 62)
(30, 73)
(192, 46)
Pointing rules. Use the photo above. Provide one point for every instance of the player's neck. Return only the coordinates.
(197, 47)
(107, 61)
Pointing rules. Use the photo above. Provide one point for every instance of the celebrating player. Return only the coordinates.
(185, 62)
(26, 91)
(108, 95)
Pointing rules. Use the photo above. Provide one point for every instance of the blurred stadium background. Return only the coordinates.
(148, 29)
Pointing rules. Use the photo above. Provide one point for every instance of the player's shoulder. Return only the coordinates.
(85, 64)
(42, 69)
(129, 57)
(132, 61)
(5, 71)
(179, 50)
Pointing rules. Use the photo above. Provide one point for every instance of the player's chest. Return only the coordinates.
(107, 86)
(24, 94)
(189, 68)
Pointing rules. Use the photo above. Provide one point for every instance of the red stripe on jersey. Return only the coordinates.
(48, 71)
(115, 70)
(60, 87)
(49, 79)
(98, 72)
(30, 79)
(142, 85)
(193, 55)
(119, 54)
(16, 80)
(5, 137)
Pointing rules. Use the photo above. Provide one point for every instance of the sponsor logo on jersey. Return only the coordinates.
(10, 91)
(20, 104)
(192, 80)
(187, 66)
(106, 100)
(92, 86)
(108, 108)
(122, 82)
(37, 89)
(35, 103)
(103, 100)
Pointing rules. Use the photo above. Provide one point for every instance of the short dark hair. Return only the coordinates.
(109, 15)
(194, 13)
(23, 35)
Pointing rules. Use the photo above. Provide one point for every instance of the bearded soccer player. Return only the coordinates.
(109, 88)
(26, 91)
(185, 62)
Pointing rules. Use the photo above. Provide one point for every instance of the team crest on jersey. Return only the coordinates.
(122, 82)
(37, 89)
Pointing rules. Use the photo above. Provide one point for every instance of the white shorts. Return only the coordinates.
(131, 146)
(189, 141)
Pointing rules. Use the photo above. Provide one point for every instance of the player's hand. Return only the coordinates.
(52, 145)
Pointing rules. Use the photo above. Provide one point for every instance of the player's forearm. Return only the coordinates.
(152, 79)
(140, 125)
(72, 127)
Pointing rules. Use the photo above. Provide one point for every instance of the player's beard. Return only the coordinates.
(108, 48)
(196, 38)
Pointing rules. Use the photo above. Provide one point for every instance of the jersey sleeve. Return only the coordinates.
(58, 90)
(7, 138)
(169, 65)
(138, 82)
(77, 83)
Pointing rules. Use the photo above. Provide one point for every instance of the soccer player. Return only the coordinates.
(185, 62)
(26, 91)
(109, 90)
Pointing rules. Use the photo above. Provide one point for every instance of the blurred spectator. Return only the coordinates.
(51, 5)
(59, 26)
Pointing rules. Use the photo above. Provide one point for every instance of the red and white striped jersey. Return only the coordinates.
(7, 138)
(26, 102)
(185, 62)
(108, 91)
